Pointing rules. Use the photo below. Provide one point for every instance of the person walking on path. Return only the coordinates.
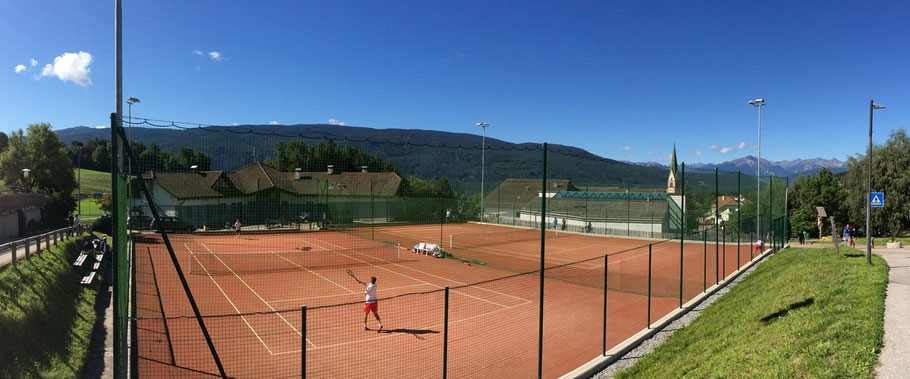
(555, 223)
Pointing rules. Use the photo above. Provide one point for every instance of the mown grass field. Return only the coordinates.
(46, 316)
(803, 313)
(94, 181)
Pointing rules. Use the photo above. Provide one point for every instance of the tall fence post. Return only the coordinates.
(303, 341)
(739, 215)
(606, 271)
(445, 336)
(704, 278)
(28, 248)
(771, 209)
(723, 234)
(543, 239)
(716, 226)
(13, 248)
(682, 238)
(649, 286)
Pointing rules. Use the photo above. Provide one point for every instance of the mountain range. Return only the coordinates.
(433, 154)
(787, 168)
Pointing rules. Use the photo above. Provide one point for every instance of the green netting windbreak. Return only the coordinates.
(278, 230)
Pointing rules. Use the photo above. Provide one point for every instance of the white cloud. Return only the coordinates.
(234, 124)
(19, 68)
(216, 56)
(626, 148)
(32, 62)
(273, 122)
(666, 159)
(100, 127)
(742, 145)
(72, 67)
(726, 150)
(651, 152)
(714, 147)
(698, 152)
(335, 122)
(197, 52)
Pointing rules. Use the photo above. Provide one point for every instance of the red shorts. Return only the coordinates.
(367, 307)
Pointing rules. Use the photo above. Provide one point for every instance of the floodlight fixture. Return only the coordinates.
(878, 106)
(132, 100)
(757, 102)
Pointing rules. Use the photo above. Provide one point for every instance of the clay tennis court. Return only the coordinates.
(250, 290)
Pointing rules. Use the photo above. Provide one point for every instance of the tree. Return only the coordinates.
(51, 168)
(819, 190)
(4, 141)
(891, 175)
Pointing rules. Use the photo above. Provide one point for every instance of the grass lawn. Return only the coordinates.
(94, 181)
(860, 242)
(90, 209)
(46, 316)
(803, 313)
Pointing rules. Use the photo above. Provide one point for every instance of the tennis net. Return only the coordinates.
(215, 263)
(474, 240)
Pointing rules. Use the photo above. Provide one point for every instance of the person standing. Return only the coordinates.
(555, 223)
(371, 304)
(846, 235)
(76, 220)
(237, 228)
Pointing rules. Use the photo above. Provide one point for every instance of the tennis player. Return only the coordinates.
(371, 304)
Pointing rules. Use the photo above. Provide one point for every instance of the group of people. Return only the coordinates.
(556, 223)
(73, 219)
(98, 244)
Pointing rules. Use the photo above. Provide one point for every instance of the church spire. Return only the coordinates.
(671, 179)
(673, 160)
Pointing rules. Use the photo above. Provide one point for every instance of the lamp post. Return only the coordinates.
(872, 106)
(129, 164)
(758, 103)
(483, 126)
(79, 166)
(25, 172)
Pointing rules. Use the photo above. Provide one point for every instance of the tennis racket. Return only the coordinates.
(351, 273)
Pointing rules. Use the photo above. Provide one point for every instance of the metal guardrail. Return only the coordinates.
(32, 245)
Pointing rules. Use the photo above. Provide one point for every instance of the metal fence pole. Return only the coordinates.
(445, 335)
(543, 235)
(716, 225)
(682, 235)
(771, 209)
(303, 341)
(649, 286)
(739, 215)
(723, 234)
(704, 279)
(606, 270)
(13, 248)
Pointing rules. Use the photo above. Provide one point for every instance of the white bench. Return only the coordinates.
(80, 260)
(87, 279)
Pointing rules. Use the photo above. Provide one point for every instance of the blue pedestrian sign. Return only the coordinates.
(877, 199)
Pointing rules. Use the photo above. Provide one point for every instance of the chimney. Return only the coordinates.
(363, 169)
(331, 169)
(297, 173)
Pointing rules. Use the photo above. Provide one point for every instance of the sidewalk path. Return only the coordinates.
(895, 357)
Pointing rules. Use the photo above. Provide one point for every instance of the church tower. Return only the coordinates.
(671, 180)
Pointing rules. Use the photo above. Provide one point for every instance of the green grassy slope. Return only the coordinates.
(804, 313)
(46, 316)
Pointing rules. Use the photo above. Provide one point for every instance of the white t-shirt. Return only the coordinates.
(371, 293)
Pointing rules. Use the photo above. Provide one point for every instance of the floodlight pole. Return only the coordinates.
(483, 146)
(872, 106)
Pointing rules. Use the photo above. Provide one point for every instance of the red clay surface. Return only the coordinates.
(254, 318)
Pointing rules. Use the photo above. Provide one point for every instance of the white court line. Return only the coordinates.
(314, 273)
(303, 299)
(255, 293)
(242, 317)
(436, 276)
(393, 334)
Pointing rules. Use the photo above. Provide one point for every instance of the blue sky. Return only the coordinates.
(623, 80)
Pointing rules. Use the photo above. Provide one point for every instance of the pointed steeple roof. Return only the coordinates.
(673, 161)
